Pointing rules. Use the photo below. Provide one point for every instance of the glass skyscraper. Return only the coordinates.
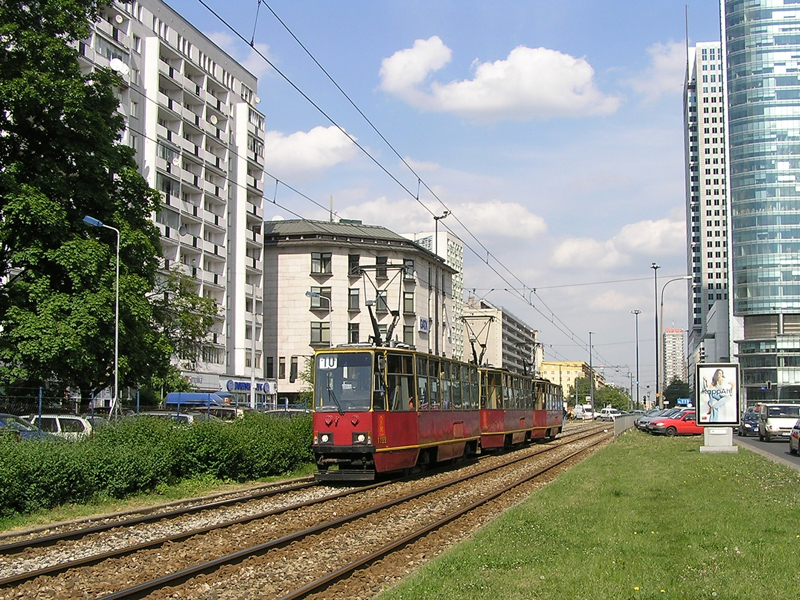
(761, 46)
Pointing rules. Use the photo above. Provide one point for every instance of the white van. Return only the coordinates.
(776, 420)
(68, 427)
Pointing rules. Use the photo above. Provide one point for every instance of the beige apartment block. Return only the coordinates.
(564, 373)
(323, 278)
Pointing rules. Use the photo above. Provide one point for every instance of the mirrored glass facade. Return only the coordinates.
(762, 39)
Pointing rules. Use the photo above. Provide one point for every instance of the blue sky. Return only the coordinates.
(551, 130)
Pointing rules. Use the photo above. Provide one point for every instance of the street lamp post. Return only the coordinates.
(436, 220)
(636, 313)
(655, 268)
(91, 221)
(330, 322)
(659, 391)
(591, 373)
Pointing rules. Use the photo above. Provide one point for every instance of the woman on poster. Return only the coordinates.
(720, 396)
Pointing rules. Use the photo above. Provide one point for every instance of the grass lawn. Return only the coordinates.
(644, 518)
(195, 487)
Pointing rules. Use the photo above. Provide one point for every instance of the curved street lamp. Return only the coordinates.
(659, 390)
(91, 221)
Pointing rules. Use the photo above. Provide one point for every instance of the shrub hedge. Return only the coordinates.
(136, 455)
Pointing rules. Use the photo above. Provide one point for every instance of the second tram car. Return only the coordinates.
(380, 410)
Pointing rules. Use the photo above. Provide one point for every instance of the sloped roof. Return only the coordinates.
(327, 228)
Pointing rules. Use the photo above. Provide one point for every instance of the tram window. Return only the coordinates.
(466, 392)
(474, 386)
(495, 390)
(445, 382)
(422, 382)
(507, 391)
(455, 386)
(433, 384)
(401, 393)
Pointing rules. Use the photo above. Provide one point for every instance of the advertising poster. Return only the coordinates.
(717, 394)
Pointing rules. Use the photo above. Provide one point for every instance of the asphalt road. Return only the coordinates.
(777, 450)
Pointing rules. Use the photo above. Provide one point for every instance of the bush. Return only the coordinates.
(138, 455)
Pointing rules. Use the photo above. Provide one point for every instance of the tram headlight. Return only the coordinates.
(324, 438)
(362, 438)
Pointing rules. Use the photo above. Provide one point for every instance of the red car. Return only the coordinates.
(681, 424)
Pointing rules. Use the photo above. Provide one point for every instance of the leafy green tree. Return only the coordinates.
(61, 159)
(606, 395)
(185, 317)
(676, 389)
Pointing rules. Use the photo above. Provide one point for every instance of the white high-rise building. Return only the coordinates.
(674, 355)
(451, 249)
(191, 116)
(707, 206)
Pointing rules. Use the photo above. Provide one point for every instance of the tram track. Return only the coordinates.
(188, 548)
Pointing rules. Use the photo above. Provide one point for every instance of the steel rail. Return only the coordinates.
(323, 582)
(49, 540)
(97, 558)
(179, 577)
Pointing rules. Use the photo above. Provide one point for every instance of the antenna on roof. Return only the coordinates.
(331, 210)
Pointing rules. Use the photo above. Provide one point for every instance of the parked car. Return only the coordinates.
(748, 424)
(67, 427)
(609, 414)
(776, 420)
(20, 428)
(184, 418)
(794, 438)
(681, 423)
(642, 420)
(665, 413)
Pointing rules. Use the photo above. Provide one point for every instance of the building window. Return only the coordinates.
(293, 370)
(353, 265)
(320, 332)
(408, 303)
(270, 367)
(381, 301)
(282, 368)
(323, 300)
(380, 267)
(352, 299)
(408, 334)
(352, 333)
(320, 263)
(408, 268)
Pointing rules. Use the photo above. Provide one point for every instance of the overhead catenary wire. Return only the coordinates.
(552, 318)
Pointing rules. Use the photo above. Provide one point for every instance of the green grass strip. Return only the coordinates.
(644, 518)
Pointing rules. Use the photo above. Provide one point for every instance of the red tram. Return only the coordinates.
(379, 410)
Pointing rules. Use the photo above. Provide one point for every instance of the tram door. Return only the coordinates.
(402, 398)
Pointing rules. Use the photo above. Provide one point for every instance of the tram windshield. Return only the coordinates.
(343, 382)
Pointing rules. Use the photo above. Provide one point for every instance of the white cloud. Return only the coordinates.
(306, 154)
(247, 56)
(666, 72)
(643, 239)
(255, 62)
(529, 83)
(486, 220)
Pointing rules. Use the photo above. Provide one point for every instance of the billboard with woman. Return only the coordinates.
(717, 394)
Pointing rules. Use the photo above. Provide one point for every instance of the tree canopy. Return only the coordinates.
(61, 158)
(603, 396)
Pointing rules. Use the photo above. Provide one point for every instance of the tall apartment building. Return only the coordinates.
(501, 338)
(325, 279)
(192, 119)
(707, 206)
(449, 247)
(762, 54)
(674, 354)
